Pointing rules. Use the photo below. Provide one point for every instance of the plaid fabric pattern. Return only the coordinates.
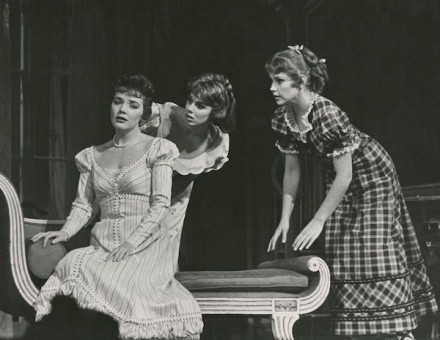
(373, 307)
(379, 281)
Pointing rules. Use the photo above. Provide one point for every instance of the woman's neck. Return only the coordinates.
(303, 101)
(123, 136)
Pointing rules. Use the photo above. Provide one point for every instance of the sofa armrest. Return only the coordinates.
(317, 271)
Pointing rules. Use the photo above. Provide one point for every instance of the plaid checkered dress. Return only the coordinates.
(379, 281)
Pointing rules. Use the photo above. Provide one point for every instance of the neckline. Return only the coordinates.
(126, 168)
(290, 119)
(120, 146)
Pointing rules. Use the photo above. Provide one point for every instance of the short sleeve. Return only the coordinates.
(166, 153)
(339, 135)
(83, 161)
(287, 145)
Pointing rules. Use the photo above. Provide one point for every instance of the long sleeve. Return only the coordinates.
(161, 180)
(83, 205)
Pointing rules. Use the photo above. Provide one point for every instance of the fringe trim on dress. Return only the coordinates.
(188, 326)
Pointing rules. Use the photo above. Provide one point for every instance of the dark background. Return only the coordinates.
(382, 57)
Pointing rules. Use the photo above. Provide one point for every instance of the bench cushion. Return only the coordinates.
(254, 280)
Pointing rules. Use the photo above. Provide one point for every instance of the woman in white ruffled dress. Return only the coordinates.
(128, 270)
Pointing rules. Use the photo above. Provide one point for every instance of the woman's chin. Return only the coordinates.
(279, 101)
(122, 126)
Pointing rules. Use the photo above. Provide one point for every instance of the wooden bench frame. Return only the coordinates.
(284, 309)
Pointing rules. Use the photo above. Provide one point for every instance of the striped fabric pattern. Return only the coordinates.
(379, 281)
(139, 292)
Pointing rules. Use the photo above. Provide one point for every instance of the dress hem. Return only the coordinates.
(187, 326)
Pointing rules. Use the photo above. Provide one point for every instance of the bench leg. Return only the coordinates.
(284, 315)
(282, 326)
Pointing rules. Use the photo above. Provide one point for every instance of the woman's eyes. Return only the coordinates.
(197, 104)
(118, 101)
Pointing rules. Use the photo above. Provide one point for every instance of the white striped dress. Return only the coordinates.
(139, 292)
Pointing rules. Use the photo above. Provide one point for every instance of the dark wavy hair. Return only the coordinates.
(215, 90)
(300, 62)
(136, 85)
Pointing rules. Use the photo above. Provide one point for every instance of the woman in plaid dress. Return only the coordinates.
(379, 281)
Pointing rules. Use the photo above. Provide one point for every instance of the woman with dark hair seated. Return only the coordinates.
(128, 270)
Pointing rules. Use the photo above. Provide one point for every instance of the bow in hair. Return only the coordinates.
(296, 48)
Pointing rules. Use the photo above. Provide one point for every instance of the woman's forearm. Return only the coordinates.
(150, 223)
(291, 178)
(82, 206)
(333, 198)
(343, 169)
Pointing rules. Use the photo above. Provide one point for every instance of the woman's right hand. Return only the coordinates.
(56, 236)
(282, 230)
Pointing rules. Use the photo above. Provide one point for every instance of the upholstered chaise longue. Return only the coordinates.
(283, 289)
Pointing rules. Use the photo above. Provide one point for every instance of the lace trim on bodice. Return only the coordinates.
(289, 117)
(113, 180)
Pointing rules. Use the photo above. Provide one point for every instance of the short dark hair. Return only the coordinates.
(136, 85)
(215, 90)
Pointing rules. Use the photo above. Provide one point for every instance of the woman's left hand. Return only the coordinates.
(308, 235)
(120, 253)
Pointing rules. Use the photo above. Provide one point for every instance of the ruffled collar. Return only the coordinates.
(290, 119)
(212, 159)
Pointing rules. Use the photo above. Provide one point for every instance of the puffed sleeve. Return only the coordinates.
(83, 205)
(338, 135)
(286, 142)
(161, 163)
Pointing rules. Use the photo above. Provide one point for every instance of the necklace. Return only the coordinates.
(120, 146)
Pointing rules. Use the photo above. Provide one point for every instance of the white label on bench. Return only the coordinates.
(285, 306)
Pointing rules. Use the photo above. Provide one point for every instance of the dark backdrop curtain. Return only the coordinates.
(6, 330)
(86, 86)
(57, 148)
(105, 39)
(384, 69)
(57, 112)
(5, 89)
